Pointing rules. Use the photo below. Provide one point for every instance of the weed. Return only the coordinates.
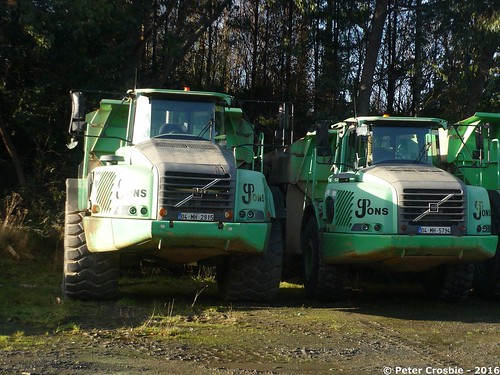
(197, 295)
(161, 324)
(13, 216)
(205, 274)
(71, 328)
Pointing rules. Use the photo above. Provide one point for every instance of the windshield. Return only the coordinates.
(156, 117)
(398, 144)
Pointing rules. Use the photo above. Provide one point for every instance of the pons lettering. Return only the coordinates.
(365, 208)
(480, 211)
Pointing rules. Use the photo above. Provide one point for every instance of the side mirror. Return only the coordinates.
(322, 138)
(77, 124)
(477, 154)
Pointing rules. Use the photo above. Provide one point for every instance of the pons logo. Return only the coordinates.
(365, 208)
(123, 191)
(250, 195)
(480, 210)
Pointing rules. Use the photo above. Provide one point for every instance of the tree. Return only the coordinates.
(436, 58)
(12, 151)
(374, 39)
(175, 30)
(465, 58)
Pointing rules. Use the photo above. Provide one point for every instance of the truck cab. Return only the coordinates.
(387, 140)
(387, 187)
(170, 175)
(374, 193)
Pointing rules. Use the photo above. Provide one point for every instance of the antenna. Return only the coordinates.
(355, 111)
(135, 78)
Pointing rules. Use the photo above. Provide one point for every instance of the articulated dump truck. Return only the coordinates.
(471, 151)
(173, 176)
(373, 192)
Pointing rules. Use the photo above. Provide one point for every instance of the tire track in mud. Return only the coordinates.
(408, 350)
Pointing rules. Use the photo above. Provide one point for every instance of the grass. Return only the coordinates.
(181, 309)
(182, 315)
(153, 303)
(29, 292)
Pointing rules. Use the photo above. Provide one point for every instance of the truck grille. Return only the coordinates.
(200, 192)
(104, 191)
(432, 207)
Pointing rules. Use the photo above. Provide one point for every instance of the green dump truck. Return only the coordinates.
(371, 191)
(470, 150)
(173, 176)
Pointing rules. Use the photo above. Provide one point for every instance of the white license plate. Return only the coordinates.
(434, 230)
(196, 216)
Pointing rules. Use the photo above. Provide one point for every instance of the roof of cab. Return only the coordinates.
(380, 120)
(224, 99)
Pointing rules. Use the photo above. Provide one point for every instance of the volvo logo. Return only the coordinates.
(433, 207)
(197, 193)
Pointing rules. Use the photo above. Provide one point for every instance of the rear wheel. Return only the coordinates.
(322, 281)
(452, 282)
(87, 275)
(487, 277)
(253, 278)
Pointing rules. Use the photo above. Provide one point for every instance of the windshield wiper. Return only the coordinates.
(422, 152)
(207, 126)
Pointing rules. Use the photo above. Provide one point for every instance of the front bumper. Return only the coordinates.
(108, 234)
(406, 253)
(225, 237)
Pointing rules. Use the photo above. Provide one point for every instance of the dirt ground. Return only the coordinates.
(379, 329)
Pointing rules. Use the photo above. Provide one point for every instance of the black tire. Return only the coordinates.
(487, 273)
(322, 281)
(87, 275)
(450, 283)
(253, 278)
(487, 277)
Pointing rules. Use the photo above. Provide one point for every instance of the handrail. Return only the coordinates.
(493, 141)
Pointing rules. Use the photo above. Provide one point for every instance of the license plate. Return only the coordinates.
(195, 216)
(434, 230)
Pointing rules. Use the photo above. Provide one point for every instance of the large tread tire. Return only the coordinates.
(86, 275)
(487, 277)
(450, 283)
(322, 281)
(254, 278)
(487, 273)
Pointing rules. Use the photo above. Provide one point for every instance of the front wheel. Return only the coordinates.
(253, 278)
(487, 273)
(87, 275)
(322, 281)
(487, 277)
(451, 283)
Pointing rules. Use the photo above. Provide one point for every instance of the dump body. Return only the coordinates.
(470, 150)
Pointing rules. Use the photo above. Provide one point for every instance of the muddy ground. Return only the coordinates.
(381, 328)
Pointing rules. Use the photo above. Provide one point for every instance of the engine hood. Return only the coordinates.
(414, 176)
(426, 197)
(195, 156)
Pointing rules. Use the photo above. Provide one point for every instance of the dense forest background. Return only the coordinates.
(331, 58)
